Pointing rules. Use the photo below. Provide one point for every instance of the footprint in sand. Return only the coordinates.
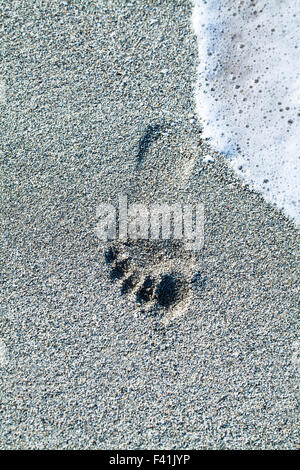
(159, 275)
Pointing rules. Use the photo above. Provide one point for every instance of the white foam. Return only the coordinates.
(248, 91)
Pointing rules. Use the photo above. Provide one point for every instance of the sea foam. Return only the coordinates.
(248, 91)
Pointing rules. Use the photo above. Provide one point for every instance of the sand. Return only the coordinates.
(83, 365)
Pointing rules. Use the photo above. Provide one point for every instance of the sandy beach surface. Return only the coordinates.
(99, 102)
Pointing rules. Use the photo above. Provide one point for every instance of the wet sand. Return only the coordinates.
(83, 365)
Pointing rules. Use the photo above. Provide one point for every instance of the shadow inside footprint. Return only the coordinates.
(168, 290)
(111, 255)
(119, 270)
(152, 133)
(128, 284)
(155, 291)
(145, 293)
